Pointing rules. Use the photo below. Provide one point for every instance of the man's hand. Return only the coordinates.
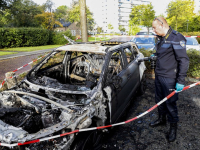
(152, 55)
(179, 87)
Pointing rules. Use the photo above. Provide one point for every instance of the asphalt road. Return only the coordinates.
(137, 135)
(11, 64)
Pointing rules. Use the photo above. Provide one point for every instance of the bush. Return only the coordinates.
(57, 38)
(21, 37)
(194, 65)
(147, 53)
(192, 34)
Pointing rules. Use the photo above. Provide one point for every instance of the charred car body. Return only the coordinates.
(74, 87)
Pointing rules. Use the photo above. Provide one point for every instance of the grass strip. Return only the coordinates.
(7, 53)
(29, 49)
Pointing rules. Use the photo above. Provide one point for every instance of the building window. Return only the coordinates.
(73, 32)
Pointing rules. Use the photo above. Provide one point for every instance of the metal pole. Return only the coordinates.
(83, 19)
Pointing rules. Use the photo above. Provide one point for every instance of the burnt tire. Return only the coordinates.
(91, 140)
(142, 86)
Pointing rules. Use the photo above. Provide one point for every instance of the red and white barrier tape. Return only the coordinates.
(193, 36)
(21, 68)
(28, 63)
(101, 127)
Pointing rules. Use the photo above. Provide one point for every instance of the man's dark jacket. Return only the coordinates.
(172, 60)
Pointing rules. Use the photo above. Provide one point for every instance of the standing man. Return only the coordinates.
(170, 72)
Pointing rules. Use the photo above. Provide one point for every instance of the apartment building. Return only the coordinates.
(116, 12)
(197, 6)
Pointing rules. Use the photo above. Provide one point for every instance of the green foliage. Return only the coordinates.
(148, 16)
(147, 53)
(178, 12)
(121, 28)
(5, 17)
(141, 15)
(20, 37)
(194, 67)
(47, 6)
(190, 25)
(22, 13)
(74, 15)
(136, 15)
(57, 38)
(47, 20)
(110, 26)
(134, 29)
(61, 12)
(99, 30)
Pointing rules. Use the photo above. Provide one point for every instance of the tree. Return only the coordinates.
(136, 15)
(110, 26)
(179, 11)
(142, 15)
(190, 25)
(99, 30)
(47, 20)
(61, 12)
(148, 16)
(20, 13)
(121, 28)
(5, 18)
(48, 6)
(73, 15)
(133, 29)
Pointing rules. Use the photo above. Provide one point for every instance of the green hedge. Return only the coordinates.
(22, 37)
(194, 67)
(192, 34)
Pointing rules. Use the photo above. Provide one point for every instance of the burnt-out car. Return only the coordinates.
(74, 87)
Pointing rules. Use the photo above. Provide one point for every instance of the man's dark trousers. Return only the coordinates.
(169, 107)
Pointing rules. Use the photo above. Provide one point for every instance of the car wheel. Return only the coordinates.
(91, 140)
(142, 87)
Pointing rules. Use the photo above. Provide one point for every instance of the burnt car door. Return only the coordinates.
(123, 78)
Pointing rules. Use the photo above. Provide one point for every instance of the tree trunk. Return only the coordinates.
(83, 18)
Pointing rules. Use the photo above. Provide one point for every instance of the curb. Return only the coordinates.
(24, 54)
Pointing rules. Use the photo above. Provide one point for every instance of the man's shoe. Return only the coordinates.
(172, 132)
(159, 122)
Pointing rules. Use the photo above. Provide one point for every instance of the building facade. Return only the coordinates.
(197, 6)
(116, 13)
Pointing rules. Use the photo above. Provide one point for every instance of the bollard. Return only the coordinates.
(11, 79)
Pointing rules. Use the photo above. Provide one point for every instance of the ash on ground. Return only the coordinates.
(137, 135)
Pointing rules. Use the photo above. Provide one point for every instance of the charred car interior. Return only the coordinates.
(74, 87)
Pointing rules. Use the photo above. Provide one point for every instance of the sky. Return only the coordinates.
(159, 5)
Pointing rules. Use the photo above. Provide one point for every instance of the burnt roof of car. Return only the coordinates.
(91, 48)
